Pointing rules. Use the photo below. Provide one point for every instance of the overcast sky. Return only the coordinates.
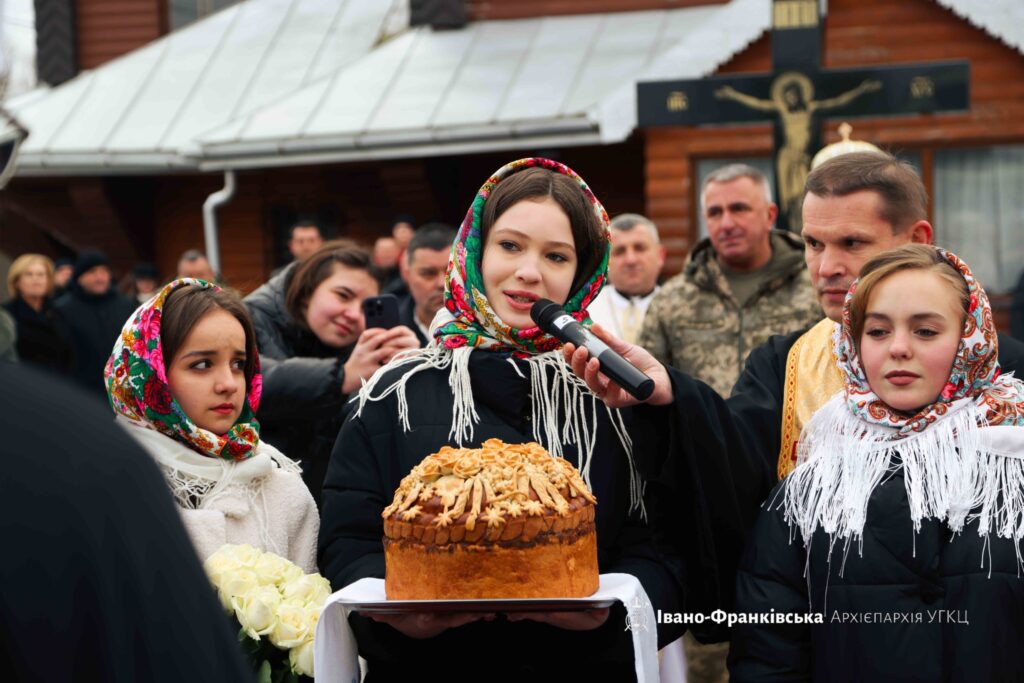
(18, 44)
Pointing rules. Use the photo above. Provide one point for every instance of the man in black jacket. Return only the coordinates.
(95, 313)
(857, 205)
(100, 581)
(426, 259)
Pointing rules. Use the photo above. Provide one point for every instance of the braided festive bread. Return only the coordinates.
(500, 521)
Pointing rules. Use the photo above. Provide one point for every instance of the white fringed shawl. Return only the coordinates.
(558, 404)
(958, 470)
(199, 481)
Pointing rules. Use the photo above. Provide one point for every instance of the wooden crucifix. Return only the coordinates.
(797, 92)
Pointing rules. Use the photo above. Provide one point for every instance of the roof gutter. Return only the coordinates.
(43, 164)
(309, 152)
(215, 200)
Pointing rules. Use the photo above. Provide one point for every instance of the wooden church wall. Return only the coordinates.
(359, 200)
(856, 33)
(481, 10)
(105, 29)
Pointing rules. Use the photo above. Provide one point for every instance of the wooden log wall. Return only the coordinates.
(106, 29)
(358, 201)
(480, 10)
(857, 33)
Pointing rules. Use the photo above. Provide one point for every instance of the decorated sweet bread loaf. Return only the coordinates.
(500, 521)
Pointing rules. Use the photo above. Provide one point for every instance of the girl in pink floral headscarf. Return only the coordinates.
(184, 380)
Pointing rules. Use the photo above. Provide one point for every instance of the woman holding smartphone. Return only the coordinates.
(316, 349)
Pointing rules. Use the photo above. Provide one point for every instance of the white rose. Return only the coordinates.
(272, 570)
(218, 565)
(301, 658)
(310, 589)
(256, 610)
(292, 627)
(313, 615)
(245, 555)
(291, 572)
(236, 583)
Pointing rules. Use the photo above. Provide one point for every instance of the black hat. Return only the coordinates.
(87, 260)
(145, 271)
(63, 261)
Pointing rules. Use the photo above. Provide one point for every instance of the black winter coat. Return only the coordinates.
(372, 455)
(301, 408)
(100, 581)
(95, 323)
(929, 607)
(719, 456)
(43, 337)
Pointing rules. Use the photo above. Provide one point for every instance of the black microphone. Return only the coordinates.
(553, 319)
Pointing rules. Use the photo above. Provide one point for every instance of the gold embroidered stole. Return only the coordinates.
(812, 378)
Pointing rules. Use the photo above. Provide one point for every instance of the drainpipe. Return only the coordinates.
(218, 198)
(12, 134)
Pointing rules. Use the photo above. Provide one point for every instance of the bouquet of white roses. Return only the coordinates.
(274, 602)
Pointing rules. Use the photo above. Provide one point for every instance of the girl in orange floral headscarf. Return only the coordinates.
(893, 551)
(184, 380)
(928, 389)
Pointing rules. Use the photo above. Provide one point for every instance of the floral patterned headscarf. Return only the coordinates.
(467, 318)
(563, 409)
(137, 386)
(960, 455)
(975, 373)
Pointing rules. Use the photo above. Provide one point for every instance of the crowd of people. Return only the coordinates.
(835, 429)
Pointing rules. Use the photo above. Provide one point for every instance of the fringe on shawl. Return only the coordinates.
(195, 493)
(559, 400)
(948, 473)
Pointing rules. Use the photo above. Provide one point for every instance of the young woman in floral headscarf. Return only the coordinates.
(184, 380)
(902, 527)
(534, 230)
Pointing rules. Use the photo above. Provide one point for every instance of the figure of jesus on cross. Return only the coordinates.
(787, 97)
(792, 98)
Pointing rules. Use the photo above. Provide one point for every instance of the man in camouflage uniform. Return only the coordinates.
(739, 286)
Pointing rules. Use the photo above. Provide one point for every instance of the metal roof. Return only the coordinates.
(144, 110)
(285, 82)
(1003, 19)
(493, 85)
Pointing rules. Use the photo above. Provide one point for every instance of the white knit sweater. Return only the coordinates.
(253, 501)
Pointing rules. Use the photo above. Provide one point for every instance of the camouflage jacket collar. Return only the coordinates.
(703, 269)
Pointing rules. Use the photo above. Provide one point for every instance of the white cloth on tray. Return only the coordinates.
(335, 656)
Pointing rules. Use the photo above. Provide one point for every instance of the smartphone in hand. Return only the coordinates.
(381, 311)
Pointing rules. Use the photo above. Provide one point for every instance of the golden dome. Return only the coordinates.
(844, 146)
